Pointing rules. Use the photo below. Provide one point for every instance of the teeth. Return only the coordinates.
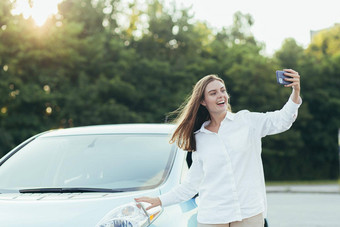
(222, 102)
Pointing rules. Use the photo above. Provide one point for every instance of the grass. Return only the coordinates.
(311, 182)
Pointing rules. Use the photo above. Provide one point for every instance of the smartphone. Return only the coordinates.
(280, 78)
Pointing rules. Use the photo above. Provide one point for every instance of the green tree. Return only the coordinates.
(290, 54)
(326, 42)
(318, 122)
(87, 66)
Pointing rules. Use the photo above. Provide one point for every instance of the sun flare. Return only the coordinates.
(39, 10)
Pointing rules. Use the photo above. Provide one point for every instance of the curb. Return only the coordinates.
(327, 189)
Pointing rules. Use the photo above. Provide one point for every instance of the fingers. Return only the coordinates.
(153, 201)
(295, 83)
(142, 199)
(150, 207)
(290, 71)
(294, 77)
(292, 85)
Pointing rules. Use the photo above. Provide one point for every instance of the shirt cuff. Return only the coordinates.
(166, 199)
(292, 107)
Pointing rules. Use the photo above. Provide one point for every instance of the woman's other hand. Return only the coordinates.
(154, 201)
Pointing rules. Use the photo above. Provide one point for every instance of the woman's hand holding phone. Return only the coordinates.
(293, 78)
(290, 78)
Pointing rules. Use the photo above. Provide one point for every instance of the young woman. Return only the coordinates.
(227, 168)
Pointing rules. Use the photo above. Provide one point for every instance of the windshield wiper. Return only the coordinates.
(67, 190)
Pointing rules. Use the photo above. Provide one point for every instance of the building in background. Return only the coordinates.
(313, 33)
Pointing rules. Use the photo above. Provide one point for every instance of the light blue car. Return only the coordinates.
(89, 176)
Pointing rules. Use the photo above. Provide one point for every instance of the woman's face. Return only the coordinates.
(215, 97)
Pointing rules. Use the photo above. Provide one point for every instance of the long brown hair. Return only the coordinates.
(191, 115)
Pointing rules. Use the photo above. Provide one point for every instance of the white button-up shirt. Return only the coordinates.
(227, 168)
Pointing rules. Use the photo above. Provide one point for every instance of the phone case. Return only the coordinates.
(280, 78)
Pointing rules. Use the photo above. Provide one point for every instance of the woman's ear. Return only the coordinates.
(203, 103)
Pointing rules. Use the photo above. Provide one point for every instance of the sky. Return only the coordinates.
(39, 10)
(275, 20)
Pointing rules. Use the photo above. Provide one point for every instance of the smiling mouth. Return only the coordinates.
(221, 103)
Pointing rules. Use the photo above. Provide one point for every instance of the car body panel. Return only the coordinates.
(87, 209)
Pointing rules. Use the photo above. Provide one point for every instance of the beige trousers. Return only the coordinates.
(255, 221)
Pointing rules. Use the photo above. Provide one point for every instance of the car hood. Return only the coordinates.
(61, 209)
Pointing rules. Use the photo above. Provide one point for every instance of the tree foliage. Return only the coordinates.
(89, 66)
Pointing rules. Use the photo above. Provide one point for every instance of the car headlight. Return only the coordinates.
(130, 215)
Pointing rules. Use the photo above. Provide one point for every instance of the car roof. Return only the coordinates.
(112, 129)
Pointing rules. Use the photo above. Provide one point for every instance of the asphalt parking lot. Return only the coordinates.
(304, 206)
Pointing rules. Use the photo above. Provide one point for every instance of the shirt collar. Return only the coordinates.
(230, 116)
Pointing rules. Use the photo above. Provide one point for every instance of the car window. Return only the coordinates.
(129, 161)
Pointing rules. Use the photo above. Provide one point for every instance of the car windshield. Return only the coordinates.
(129, 162)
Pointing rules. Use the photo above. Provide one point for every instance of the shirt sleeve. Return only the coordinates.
(274, 122)
(188, 188)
